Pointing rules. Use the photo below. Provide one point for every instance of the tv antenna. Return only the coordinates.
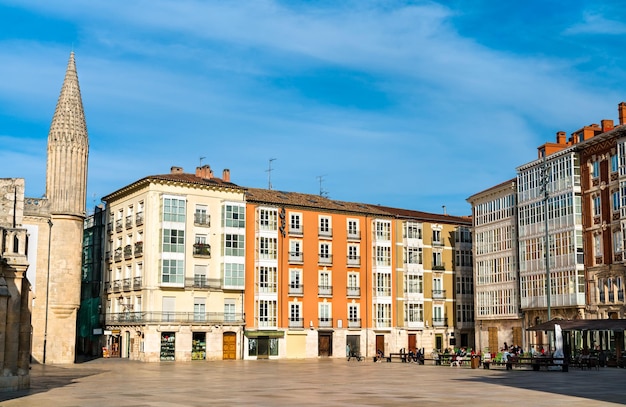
(201, 158)
(269, 173)
(323, 192)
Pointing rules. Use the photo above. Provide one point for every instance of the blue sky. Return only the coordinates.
(413, 104)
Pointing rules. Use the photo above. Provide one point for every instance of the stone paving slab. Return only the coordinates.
(311, 382)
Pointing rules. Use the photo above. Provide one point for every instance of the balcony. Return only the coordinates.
(201, 282)
(127, 284)
(439, 321)
(296, 257)
(212, 318)
(128, 252)
(265, 287)
(138, 249)
(382, 292)
(354, 234)
(438, 243)
(439, 295)
(110, 228)
(354, 322)
(296, 230)
(325, 290)
(117, 286)
(439, 267)
(354, 292)
(129, 221)
(325, 232)
(296, 289)
(325, 259)
(202, 250)
(117, 255)
(296, 323)
(108, 256)
(118, 225)
(139, 219)
(137, 283)
(202, 219)
(354, 261)
(325, 322)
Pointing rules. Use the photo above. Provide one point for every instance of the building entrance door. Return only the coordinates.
(412, 346)
(263, 349)
(325, 344)
(380, 343)
(229, 345)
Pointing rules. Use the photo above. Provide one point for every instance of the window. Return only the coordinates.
(413, 312)
(597, 244)
(438, 318)
(437, 236)
(172, 272)
(173, 210)
(201, 216)
(325, 314)
(324, 283)
(413, 284)
(383, 315)
(383, 256)
(615, 198)
(295, 223)
(353, 228)
(413, 255)
(353, 312)
(353, 254)
(413, 230)
(229, 310)
(173, 241)
(295, 318)
(595, 169)
(267, 313)
(234, 245)
(324, 252)
(234, 275)
(353, 280)
(617, 241)
(596, 205)
(614, 163)
(325, 229)
(268, 219)
(383, 284)
(437, 260)
(295, 281)
(199, 311)
(199, 276)
(234, 216)
(383, 230)
(267, 279)
(267, 248)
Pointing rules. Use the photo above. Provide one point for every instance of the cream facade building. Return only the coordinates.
(174, 274)
(497, 297)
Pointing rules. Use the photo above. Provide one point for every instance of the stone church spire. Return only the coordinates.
(68, 149)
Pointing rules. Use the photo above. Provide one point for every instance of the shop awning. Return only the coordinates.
(582, 325)
(270, 334)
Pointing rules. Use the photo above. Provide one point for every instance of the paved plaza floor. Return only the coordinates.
(324, 382)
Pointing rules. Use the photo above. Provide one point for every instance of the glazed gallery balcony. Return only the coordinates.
(142, 317)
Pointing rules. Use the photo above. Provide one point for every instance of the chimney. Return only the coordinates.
(621, 109)
(176, 170)
(607, 125)
(561, 137)
(204, 172)
(226, 175)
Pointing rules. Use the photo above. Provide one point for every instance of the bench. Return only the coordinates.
(403, 357)
(536, 363)
(357, 356)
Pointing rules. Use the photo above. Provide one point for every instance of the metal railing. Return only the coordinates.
(354, 322)
(325, 290)
(142, 317)
(354, 292)
(296, 289)
(296, 322)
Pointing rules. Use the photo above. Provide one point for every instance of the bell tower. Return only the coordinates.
(60, 228)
